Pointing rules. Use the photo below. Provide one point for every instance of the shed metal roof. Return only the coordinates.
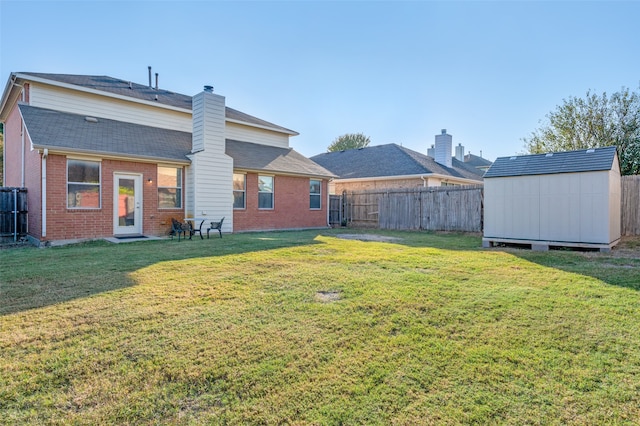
(584, 160)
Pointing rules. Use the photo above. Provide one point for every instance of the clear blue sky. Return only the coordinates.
(395, 71)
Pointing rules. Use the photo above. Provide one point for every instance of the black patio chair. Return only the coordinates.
(178, 228)
(215, 226)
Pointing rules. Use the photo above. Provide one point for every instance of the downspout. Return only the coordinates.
(328, 203)
(22, 94)
(424, 181)
(45, 154)
(22, 153)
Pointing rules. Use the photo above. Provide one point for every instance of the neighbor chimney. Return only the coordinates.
(443, 148)
(460, 152)
(431, 152)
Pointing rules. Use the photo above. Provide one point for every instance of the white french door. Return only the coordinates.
(127, 203)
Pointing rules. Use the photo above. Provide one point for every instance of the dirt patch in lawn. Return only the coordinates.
(327, 296)
(369, 237)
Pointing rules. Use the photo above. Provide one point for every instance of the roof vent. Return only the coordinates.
(91, 119)
(208, 89)
(549, 154)
(591, 150)
(513, 158)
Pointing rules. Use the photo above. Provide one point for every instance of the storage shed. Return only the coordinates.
(567, 199)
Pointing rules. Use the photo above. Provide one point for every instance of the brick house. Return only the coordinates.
(392, 166)
(104, 157)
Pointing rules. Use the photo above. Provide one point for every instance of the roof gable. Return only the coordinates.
(584, 160)
(386, 160)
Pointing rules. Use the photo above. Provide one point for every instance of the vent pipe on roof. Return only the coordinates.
(150, 86)
(156, 81)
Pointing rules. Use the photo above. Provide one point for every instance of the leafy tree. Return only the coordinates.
(591, 122)
(349, 141)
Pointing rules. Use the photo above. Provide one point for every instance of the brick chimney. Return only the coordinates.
(443, 148)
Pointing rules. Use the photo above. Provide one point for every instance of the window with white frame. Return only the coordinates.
(169, 187)
(239, 190)
(315, 200)
(265, 192)
(83, 184)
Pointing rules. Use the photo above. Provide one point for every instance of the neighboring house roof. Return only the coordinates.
(145, 93)
(584, 160)
(264, 158)
(475, 161)
(73, 132)
(387, 160)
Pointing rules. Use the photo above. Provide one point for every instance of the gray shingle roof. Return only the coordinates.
(256, 157)
(64, 131)
(144, 92)
(387, 160)
(583, 160)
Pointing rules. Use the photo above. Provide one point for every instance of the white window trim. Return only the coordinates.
(158, 187)
(244, 191)
(319, 194)
(93, 160)
(273, 193)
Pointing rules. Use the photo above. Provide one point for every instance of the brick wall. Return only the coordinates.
(291, 206)
(64, 223)
(381, 184)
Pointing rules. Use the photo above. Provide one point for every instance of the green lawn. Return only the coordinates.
(308, 328)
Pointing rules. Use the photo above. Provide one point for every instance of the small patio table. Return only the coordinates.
(192, 221)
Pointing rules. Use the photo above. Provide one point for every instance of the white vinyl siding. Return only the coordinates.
(242, 133)
(211, 171)
(88, 104)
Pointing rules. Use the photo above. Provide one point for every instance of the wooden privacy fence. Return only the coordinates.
(430, 208)
(13, 213)
(630, 208)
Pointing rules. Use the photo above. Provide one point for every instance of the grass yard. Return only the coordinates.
(307, 328)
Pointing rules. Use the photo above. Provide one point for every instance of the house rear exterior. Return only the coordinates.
(106, 157)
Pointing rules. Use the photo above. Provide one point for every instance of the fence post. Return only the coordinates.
(15, 214)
